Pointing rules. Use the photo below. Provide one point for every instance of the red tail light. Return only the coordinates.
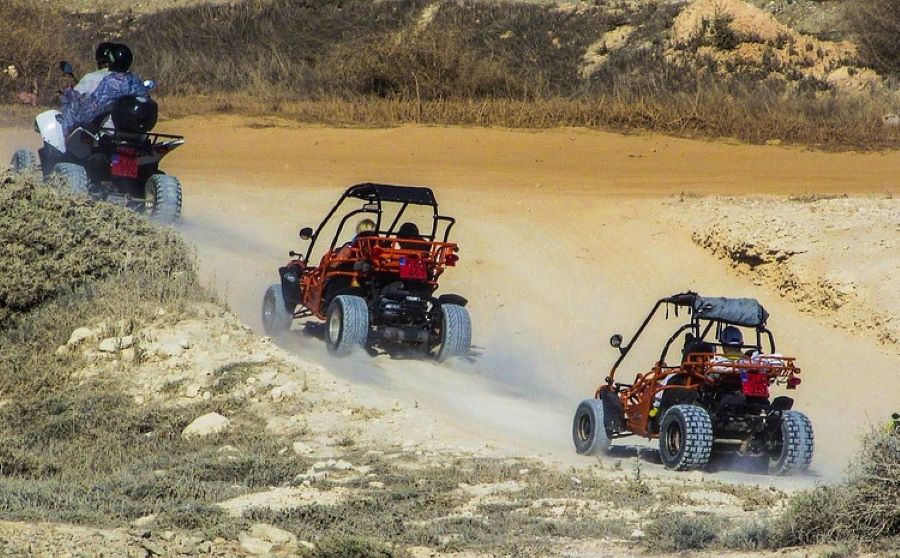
(793, 382)
(451, 259)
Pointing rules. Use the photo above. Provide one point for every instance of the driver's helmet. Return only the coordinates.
(731, 337)
(101, 55)
(120, 58)
(365, 226)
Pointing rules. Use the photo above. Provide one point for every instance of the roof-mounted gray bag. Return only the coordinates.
(746, 312)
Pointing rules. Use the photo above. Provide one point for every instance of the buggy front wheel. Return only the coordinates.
(23, 161)
(589, 428)
(275, 316)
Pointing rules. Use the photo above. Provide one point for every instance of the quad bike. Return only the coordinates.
(378, 288)
(704, 398)
(115, 159)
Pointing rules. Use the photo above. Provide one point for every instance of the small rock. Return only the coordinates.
(62, 350)
(254, 545)
(272, 534)
(138, 399)
(576, 480)
(114, 344)
(160, 312)
(207, 395)
(210, 423)
(170, 349)
(524, 471)
(302, 448)
(347, 412)
(891, 119)
(376, 484)
(342, 465)
(192, 391)
(79, 335)
(306, 545)
(637, 534)
(144, 521)
(153, 548)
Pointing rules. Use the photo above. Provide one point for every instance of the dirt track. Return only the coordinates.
(564, 240)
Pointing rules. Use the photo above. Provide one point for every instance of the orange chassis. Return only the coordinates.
(699, 369)
(370, 256)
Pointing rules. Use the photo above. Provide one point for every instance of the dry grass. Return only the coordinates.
(825, 123)
(54, 243)
(863, 508)
(876, 24)
(356, 62)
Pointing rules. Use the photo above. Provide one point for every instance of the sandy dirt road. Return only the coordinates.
(564, 238)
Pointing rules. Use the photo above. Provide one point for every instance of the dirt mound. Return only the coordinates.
(54, 242)
(831, 256)
(735, 37)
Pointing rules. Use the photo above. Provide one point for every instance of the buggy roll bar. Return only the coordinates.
(371, 193)
(687, 300)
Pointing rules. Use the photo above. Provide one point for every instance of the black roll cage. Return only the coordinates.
(695, 326)
(377, 194)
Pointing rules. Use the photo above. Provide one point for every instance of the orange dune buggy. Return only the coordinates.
(377, 287)
(703, 398)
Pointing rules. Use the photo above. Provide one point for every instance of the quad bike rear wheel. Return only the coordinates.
(589, 428)
(23, 161)
(347, 324)
(794, 449)
(74, 177)
(275, 316)
(163, 192)
(456, 332)
(685, 438)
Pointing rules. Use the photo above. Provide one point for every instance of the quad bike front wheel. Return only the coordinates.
(163, 193)
(73, 177)
(456, 332)
(275, 316)
(794, 448)
(23, 161)
(685, 438)
(347, 325)
(589, 428)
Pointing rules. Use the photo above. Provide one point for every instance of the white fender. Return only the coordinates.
(51, 129)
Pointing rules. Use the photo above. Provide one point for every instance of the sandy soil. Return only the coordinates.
(566, 237)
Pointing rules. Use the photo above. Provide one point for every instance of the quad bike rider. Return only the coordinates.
(704, 398)
(101, 145)
(378, 288)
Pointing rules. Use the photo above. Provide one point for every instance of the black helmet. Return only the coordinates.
(101, 55)
(731, 336)
(120, 58)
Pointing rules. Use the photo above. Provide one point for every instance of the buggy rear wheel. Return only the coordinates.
(275, 316)
(23, 161)
(163, 192)
(589, 428)
(794, 448)
(685, 438)
(456, 332)
(74, 177)
(347, 325)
